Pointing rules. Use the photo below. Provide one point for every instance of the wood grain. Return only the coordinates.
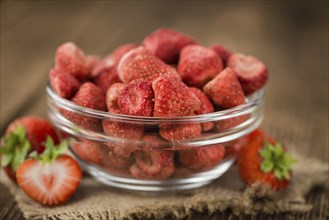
(290, 37)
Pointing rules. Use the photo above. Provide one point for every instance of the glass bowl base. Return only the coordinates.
(173, 184)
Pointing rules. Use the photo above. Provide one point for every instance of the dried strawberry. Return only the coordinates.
(64, 84)
(117, 156)
(152, 163)
(141, 63)
(106, 77)
(180, 132)
(226, 124)
(251, 72)
(90, 151)
(89, 96)
(225, 90)
(221, 51)
(166, 44)
(91, 61)
(137, 98)
(206, 107)
(202, 158)
(71, 59)
(173, 98)
(122, 129)
(233, 147)
(112, 97)
(198, 65)
(118, 53)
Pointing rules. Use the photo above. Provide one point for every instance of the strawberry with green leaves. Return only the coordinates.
(22, 136)
(51, 177)
(266, 161)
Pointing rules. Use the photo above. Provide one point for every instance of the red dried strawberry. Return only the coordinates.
(166, 44)
(91, 61)
(112, 97)
(173, 98)
(137, 98)
(64, 84)
(198, 65)
(122, 129)
(90, 151)
(251, 72)
(140, 63)
(118, 53)
(106, 77)
(225, 90)
(226, 124)
(152, 163)
(206, 107)
(71, 59)
(202, 158)
(89, 96)
(180, 132)
(233, 147)
(118, 156)
(221, 51)
(51, 177)
(265, 162)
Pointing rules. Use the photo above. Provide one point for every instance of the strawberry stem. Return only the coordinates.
(51, 152)
(14, 148)
(276, 160)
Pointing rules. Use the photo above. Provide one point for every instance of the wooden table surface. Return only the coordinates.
(290, 37)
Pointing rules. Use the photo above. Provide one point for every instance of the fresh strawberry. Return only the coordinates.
(122, 129)
(180, 132)
(51, 177)
(35, 129)
(198, 65)
(152, 163)
(266, 161)
(118, 156)
(64, 84)
(137, 98)
(106, 77)
(251, 72)
(90, 151)
(89, 96)
(206, 107)
(202, 158)
(173, 98)
(166, 44)
(71, 59)
(112, 97)
(225, 90)
(141, 63)
(118, 53)
(221, 51)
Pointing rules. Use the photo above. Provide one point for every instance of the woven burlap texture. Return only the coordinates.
(93, 200)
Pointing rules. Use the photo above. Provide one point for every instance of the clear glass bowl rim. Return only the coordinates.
(252, 102)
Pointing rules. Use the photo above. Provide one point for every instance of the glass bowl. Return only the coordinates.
(131, 154)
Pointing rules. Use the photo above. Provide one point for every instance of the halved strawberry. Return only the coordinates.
(251, 72)
(51, 177)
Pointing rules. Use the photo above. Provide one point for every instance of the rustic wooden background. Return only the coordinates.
(291, 37)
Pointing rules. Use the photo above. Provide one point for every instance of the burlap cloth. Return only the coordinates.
(93, 200)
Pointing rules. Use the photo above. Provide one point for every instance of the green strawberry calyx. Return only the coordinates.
(276, 160)
(14, 148)
(52, 151)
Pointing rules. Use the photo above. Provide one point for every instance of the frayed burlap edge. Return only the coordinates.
(95, 201)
